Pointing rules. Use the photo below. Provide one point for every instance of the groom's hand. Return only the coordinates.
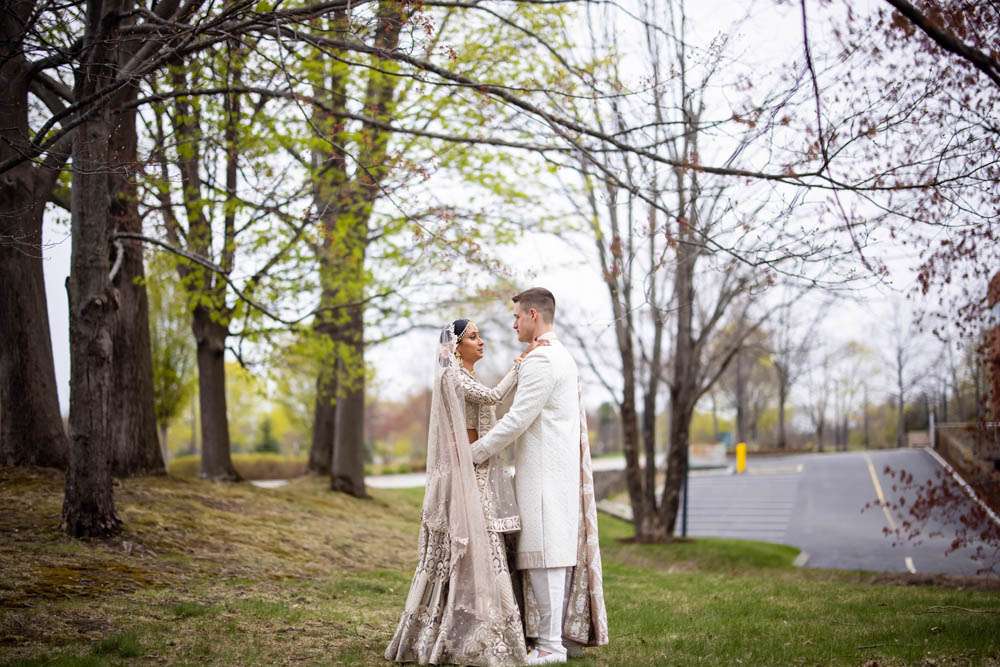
(479, 454)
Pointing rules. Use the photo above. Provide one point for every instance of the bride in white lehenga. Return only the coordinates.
(461, 606)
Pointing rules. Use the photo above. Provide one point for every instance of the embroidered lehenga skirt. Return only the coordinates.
(435, 631)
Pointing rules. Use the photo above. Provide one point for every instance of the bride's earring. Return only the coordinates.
(458, 355)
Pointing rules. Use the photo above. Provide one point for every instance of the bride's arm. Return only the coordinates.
(535, 386)
(477, 392)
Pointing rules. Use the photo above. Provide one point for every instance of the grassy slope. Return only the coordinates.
(238, 575)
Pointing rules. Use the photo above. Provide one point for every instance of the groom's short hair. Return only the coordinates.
(540, 299)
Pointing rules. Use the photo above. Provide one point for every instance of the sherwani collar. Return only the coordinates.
(548, 335)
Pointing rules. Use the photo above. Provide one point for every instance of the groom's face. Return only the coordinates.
(525, 322)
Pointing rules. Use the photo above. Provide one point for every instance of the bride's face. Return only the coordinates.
(471, 346)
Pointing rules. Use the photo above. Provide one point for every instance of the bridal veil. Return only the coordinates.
(455, 610)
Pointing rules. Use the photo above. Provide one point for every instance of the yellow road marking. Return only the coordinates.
(878, 490)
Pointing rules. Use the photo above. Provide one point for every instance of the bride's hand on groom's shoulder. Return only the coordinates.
(534, 344)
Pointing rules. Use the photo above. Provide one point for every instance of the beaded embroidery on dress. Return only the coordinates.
(460, 607)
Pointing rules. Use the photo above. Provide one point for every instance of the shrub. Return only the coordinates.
(257, 465)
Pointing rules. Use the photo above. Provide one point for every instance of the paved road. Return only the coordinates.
(814, 502)
(829, 525)
(417, 479)
(756, 505)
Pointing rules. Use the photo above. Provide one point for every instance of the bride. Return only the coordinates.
(461, 606)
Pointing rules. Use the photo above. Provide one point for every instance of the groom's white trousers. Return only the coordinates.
(548, 586)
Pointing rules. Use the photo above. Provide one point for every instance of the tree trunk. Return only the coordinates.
(216, 461)
(349, 206)
(163, 427)
(136, 448)
(330, 183)
(715, 419)
(31, 428)
(993, 348)
(649, 421)
(900, 425)
(741, 399)
(782, 399)
(680, 434)
(88, 507)
(684, 383)
(867, 440)
(638, 498)
(347, 466)
(900, 417)
(324, 423)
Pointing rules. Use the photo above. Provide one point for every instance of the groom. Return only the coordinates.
(558, 525)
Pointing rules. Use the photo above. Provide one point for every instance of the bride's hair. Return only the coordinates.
(459, 327)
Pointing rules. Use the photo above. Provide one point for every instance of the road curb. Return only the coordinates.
(801, 559)
(617, 510)
(965, 485)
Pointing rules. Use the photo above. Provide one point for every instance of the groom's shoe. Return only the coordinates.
(548, 659)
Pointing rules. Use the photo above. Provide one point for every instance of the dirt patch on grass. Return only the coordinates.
(668, 540)
(954, 582)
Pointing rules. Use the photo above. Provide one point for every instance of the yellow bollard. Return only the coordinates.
(741, 457)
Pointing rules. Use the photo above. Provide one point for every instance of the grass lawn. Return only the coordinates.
(235, 575)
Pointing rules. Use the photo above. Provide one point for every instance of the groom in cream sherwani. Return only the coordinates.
(544, 425)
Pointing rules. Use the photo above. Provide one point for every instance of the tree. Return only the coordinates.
(851, 366)
(747, 380)
(293, 375)
(31, 429)
(236, 236)
(136, 450)
(211, 315)
(135, 447)
(72, 115)
(346, 204)
(819, 396)
(88, 507)
(379, 132)
(246, 396)
(266, 442)
(790, 347)
(918, 159)
(902, 358)
(681, 272)
(172, 351)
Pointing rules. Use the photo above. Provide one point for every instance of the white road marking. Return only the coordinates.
(965, 485)
(910, 566)
(774, 470)
(878, 491)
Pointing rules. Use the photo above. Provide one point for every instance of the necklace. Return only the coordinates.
(471, 373)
